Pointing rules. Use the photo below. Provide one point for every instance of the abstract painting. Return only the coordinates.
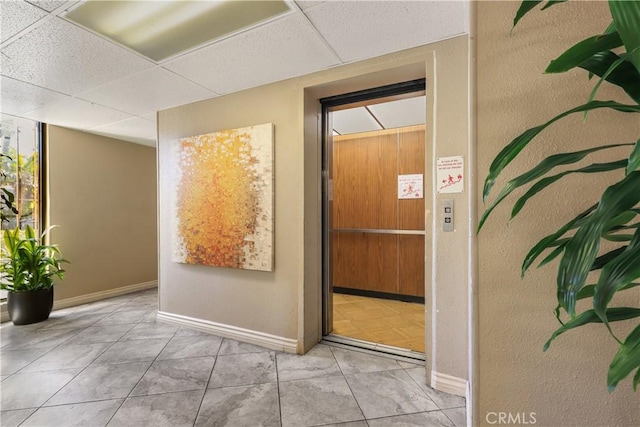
(223, 198)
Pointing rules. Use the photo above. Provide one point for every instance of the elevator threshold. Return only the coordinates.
(375, 349)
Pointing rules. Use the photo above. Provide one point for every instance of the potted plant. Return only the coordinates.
(27, 271)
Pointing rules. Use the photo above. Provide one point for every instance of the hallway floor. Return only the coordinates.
(382, 321)
(111, 363)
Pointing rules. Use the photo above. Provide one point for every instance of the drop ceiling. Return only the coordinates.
(60, 73)
(386, 115)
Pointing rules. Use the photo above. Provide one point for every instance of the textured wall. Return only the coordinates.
(567, 384)
(102, 194)
(286, 302)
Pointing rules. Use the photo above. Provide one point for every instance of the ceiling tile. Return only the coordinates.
(353, 120)
(137, 130)
(75, 113)
(284, 48)
(18, 97)
(363, 29)
(404, 112)
(50, 5)
(63, 57)
(146, 92)
(16, 16)
(151, 116)
(306, 4)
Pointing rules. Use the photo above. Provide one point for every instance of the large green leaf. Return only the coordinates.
(525, 7)
(536, 172)
(552, 3)
(624, 75)
(590, 290)
(552, 255)
(603, 259)
(545, 182)
(626, 359)
(582, 51)
(626, 15)
(634, 158)
(508, 153)
(617, 274)
(581, 251)
(618, 222)
(611, 226)
(550, 240)
(612, 68)
(613, 315)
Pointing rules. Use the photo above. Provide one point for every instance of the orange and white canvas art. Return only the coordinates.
(223, 199)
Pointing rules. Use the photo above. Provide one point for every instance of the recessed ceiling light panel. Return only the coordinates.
(163, 29)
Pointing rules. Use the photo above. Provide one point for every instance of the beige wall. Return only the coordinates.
(286, 302)
(102, 195)
(567, 384)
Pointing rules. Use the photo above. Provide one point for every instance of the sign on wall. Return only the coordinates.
(410, 186)
(450, 174)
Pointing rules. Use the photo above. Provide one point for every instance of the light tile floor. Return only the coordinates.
(110, 363)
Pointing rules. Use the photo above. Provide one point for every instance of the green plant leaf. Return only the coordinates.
(616, 274)
(626, 359)
(618, 221)
(614, 66)
(626, 15)
(581, 251)
(634, 158)
(582, 51)
(548, 241)
(611, 28)
(589, 290)
(545, 182)
(624, 75)
(525, 7)
(552, 255)
(552, 3)
(613, 315)
(601, 260)
(605, 258)
(636, 380)
(508, 153)
(617, 237)
(540, 169)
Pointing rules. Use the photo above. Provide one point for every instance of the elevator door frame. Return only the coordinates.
(328, 104)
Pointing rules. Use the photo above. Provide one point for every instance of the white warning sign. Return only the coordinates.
(450, 174)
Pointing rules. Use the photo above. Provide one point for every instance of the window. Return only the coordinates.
(20, 182)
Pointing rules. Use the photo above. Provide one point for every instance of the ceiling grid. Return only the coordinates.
(57, 72)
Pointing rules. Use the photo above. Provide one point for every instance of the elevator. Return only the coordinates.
(374, 218)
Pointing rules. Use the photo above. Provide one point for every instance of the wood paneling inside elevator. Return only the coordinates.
(371, 250)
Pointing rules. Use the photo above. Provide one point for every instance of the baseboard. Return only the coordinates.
(449, 384)
(87, 298)
(272, 342)
(97, 296)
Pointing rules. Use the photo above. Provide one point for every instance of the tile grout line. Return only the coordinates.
(145, 372)
(72, 378)
(80, 330)
(275, 362)
(206, 387)
(344, 377)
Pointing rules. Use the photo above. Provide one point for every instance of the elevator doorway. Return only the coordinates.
(374, 219)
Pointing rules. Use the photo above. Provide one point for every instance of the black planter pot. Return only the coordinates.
(29, 307)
